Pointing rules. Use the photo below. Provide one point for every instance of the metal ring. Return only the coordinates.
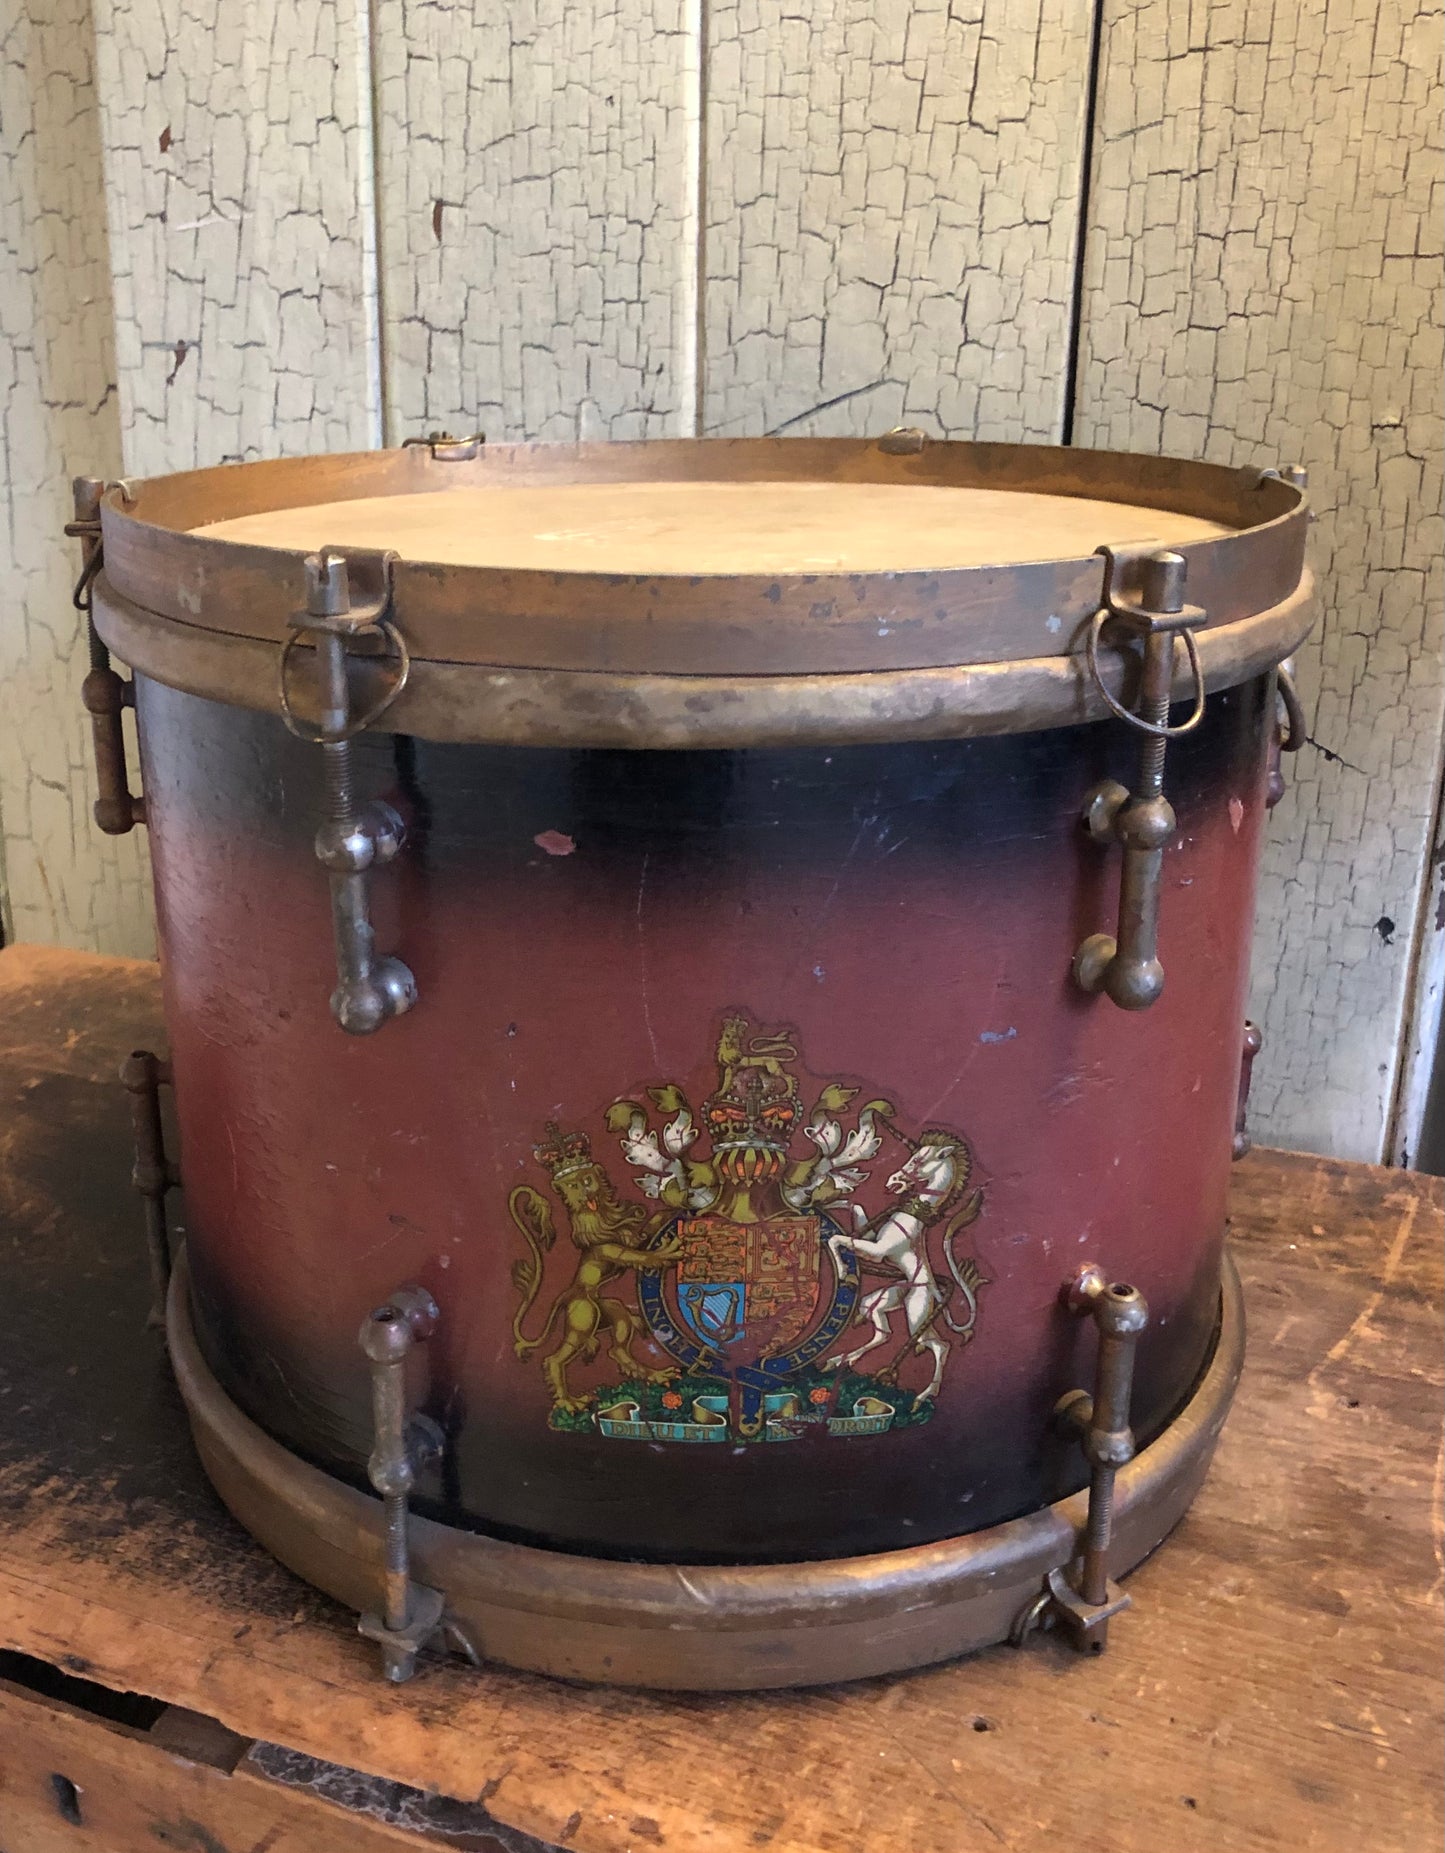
(1297, 730)
(359, 723)
(1161, 730)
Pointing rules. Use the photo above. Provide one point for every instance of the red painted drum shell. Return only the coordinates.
(695, 1030)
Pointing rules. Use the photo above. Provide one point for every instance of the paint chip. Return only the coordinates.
(1236, 814)
(555, 842)
(997, 1035)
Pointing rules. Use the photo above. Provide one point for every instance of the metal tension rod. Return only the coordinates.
(1125, 965)
(411, 1613)
(353, 838)
(106, 695)
(143, 1075)
(1085, 1601)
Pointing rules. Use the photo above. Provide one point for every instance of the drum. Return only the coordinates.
(724, 962)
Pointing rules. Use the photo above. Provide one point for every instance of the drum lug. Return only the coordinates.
(1125, 966)
(143, 1075)
(1083, 1603)
(1253, 1043)
(105, 695)
(411, 1614)
(353, 838)
(903, 441)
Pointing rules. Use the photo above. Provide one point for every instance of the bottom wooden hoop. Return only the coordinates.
(700, 1627)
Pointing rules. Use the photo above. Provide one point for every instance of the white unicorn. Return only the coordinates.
(931, 1180)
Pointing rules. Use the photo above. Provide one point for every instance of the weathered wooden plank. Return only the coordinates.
(63, 881)
(242, 228)
(73, 1782)
(1262, 285)
(537, 181)
(892, 192)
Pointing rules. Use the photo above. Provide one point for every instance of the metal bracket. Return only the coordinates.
(353, 838)
(411, 1613)
(903, 441)
(105, 695)
(143, 1075)
(1125, 965)
(1253, 1043)
(1084, 1603)
(445, 448)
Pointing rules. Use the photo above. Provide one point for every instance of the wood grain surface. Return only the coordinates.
(1275, 1685)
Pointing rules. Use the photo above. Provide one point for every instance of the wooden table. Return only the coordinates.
(1276, 1685)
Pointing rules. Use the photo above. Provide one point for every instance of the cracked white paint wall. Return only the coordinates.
(64, 882)
(892, 193)
(537, 198)
(1262, 285)
(649, 217)
(238, 178)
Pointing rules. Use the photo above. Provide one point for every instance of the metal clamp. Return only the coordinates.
(105, 695)
(353, 838)
(143, 1075)
(1125, 966)
(1080, 1597)
(447, 449)
(411, 1613)
(903, 441)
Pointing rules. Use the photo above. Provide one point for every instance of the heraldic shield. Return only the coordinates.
(728, 1301)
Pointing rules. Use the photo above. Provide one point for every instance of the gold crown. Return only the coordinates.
(563, 1151)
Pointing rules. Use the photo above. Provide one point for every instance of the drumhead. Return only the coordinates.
(687, 528)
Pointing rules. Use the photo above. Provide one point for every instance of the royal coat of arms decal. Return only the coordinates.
(750, 1296)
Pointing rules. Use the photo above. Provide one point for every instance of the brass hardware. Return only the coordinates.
(1085, 1602)
(143, 1075)
(447, 449)
(1298, 477)
(353, 838)
(1253, 1043)
(106, 696)
(411, 1613)
(903, 441)
(1126, 966)
(726, 1626)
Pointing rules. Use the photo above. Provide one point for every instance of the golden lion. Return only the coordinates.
(607, 1231)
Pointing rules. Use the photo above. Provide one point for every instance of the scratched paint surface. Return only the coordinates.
(891, 193)
(1262, 286)
(65, 883)
(536, 180)
(238, 184)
